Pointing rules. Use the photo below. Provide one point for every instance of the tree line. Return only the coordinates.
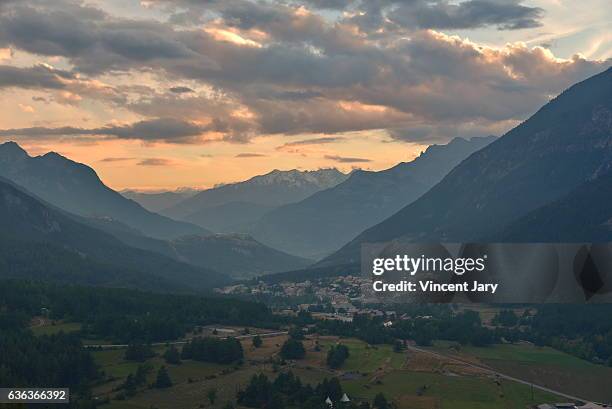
(124, 315)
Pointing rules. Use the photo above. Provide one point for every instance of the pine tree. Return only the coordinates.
(172, 356)
(257, 341)
(292, 349)
(163, 379)
(212, 395)
(380, 402)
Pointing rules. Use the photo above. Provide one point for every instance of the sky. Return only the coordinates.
(163, 94)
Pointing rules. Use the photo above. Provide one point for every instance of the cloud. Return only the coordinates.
(26, 108)
(116, 159)
(181, 90)
(311, 141)
(155, 162)
(36, 77)
(93, 40)
(371, 15)
(162, 129)
(154, 130)
(345, 159)
(263, 68)
(316, 141)
(250, 155)
(507, 15)
(66, 87)
(6, 54)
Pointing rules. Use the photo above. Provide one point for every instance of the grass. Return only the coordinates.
(452, 392)
(368, 358)
(114, 365)
(443, 391)
(396, 378)
(56, 328)
(545, 366)
(529, 354)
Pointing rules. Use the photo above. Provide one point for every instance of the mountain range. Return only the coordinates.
(71, 187)
(42, 242)
(548, 179)
(520, 185)
(235, 207)
(76, 188)
(324, 221)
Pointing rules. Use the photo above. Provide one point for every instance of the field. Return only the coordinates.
(191, 379)
(543, 366)
(49, 328)
(413, 380)
(448, 391)
(363, 357)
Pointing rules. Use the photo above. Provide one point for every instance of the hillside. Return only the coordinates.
(237, 255)
(584, 216)
(43, 243)
(76, 188)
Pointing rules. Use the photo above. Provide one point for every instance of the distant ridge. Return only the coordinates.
(236, 206)
(323, 222)
(158, 201)
(77, 189)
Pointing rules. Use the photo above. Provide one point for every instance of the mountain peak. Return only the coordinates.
(458, 141)
(322, 177)
(54, 156)
(12, 150)
(275, 188)
(76, 188)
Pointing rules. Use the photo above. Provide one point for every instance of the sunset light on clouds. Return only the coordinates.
(173, 93)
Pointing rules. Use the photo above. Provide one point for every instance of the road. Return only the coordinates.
(263, 335)
(499, 374)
